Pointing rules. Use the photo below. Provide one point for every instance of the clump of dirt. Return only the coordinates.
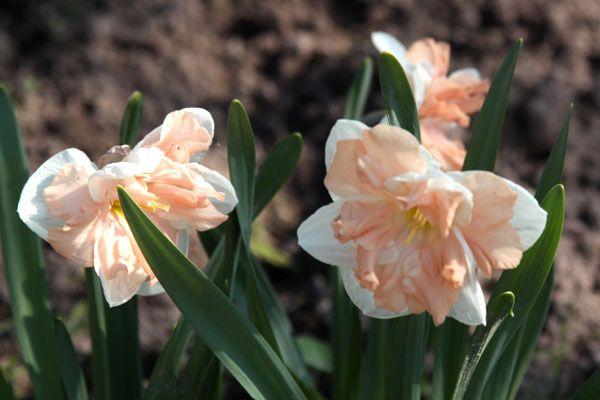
(71, 67)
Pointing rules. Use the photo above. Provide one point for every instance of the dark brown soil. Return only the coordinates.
(71, 68)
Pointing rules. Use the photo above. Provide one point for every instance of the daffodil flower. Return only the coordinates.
(445, 101)
(72, 203)
(409, 237)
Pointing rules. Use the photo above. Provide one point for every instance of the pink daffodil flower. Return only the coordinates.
(72, 203)
(409, 237)
(445, 101)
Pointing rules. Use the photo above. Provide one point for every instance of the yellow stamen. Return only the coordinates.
(117, 209)
(417, 221)
(154, 205)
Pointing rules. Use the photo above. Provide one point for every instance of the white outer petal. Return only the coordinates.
(363, 298)
(470, 308)
(146, 289)
(386, 42)
(530, 219)
(147, 158)
(315, 236)
(470, 72)
(343, 129)
(221, 184)
(32, 206)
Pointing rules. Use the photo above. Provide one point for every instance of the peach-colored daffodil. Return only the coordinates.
(72, 203)
(409, 237)
(445, 101)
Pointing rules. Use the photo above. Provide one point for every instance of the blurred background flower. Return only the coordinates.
(72, 65)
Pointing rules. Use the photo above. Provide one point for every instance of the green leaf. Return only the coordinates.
(450, 348)
(6, 391)
(316, 353)
(374, 368)
(70, 371)
(526, 282)
(487, 130)
(529, 333)
(202, 377)
(346, 338)
(519, 351)
(590, 389)
(397, 94)
(553, 171)
(220, 325)
(97, 324)
(407, 339)
(242, 163)
(132, 119)
(23, 264)
(163, 381)
(498, 309)
(356, 99)
(276, 170)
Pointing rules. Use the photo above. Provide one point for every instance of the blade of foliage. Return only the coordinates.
(124, 350)
(6, 391)
(202, 378)
(526, 282)
(70, 371)
(372, 376)
(529, 333)
(346, 341)
(97, 324)
(132, 119)
(407, 345)
(513, 363)
(316, 353)
(498, 309)
(276, 170)
(397, 94)
(163, 381)
(23, 264)
(553, 171)
(242, 163)
(487, 129)
(359, 91)
(220, 325)
(590, 389)
(276, 318)
(450, 348)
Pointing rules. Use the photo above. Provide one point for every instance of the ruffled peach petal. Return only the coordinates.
(181, 136)
(435, 53)
(493, 240)
(343, 179)
(439, 139)
(75, 242)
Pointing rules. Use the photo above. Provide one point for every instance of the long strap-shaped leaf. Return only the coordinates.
(23, 264)
(359, 91)
(487, 130)
(450, 347)
(590, 389)
(526, 282)
(397, 94)
(241, 349)
(498, 309)
(116, 358)
(6, 391)
(70, 370)
(530, 330)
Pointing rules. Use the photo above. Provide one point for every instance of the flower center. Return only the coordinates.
(417, 222)
(117, 209)
(151, 206)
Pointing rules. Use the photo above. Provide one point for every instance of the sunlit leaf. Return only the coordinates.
(220, 325)
(359, 91)
(132, 119)
(70, 370)
(487, 129)
(23, 264)
(397, 94)
(498, 309)
(450, 348)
